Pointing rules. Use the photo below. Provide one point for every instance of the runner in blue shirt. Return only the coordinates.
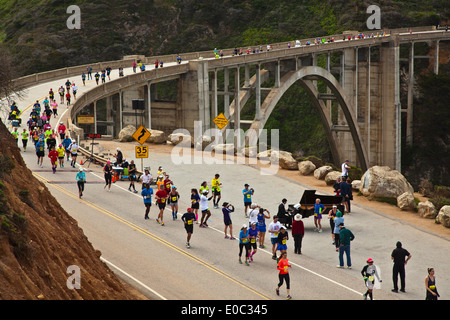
(318, 210)
(40, 151)
(147, 193)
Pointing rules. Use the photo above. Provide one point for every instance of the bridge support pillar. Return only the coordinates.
(409, 110)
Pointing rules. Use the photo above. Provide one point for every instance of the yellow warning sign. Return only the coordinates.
(141, 151)
(141, 135)
(221, 121)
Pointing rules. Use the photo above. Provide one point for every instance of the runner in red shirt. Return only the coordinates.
(53, 155)
(161, 199)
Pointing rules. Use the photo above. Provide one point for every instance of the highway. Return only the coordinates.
(154, 259)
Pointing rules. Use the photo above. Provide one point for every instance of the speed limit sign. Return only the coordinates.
(141, 151)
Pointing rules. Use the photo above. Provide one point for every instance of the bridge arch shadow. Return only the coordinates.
(306, 77)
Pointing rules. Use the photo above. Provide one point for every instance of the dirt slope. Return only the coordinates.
(39, 241)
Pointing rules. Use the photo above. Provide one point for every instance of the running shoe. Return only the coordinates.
(157, 220)
(289, 297)
(277, 291)
(227, 237)
(232, 238)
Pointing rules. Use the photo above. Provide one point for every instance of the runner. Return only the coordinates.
(25, 136)
(215, 187)
(108, 171)
(204, 186)
(247, 198)
(68, 98)
(161, 200)
(283, 275)
(195, 203)
(74, 91)
(318, 209)
(168, 184)
(83, 78)
(73, 153)
(283, 237)
(15, 134)
(253, 235)
(227, 208)
(206, 213)
(40, 151)
(62, 130)
(61, 92)
(173, 201)
(132, 175)
(54, 108)
(66, 144)
(368, 273)
(261, 218)
(146, 178)
(53, 155)
(97, 77)
(188, 219)
(244, 243)
(147, 193)
(51, 94)
(60, 151)
(274, 228)
(253, 214)
(81, 180)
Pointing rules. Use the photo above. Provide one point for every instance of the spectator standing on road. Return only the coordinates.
(337, 221)
(345, 236)
(283, 275)
(247, 198)
(430, 286)
(345, 169)
(346, 193)
(147, 193)
(227, 208)
(298, 231)
(261, 218)
(398, 255)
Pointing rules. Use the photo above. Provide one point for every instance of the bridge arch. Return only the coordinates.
(306, 76)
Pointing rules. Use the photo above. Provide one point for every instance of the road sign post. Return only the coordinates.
(141, 152)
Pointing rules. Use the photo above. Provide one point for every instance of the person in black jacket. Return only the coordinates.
(346, 193)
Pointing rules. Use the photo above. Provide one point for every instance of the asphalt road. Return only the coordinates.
(154, 258)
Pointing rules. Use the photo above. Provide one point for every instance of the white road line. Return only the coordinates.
(133, 278)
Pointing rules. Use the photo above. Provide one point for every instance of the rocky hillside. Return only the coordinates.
(39, 241)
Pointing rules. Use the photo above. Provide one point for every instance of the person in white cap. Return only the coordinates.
(119, 157)
(81, 180)
(206, 213)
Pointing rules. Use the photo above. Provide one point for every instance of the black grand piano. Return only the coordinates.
(306, 206)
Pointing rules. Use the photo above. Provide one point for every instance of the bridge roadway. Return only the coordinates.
(155, 260)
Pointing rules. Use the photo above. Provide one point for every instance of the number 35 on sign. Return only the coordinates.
(141, 151)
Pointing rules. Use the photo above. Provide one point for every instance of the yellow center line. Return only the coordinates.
(154, 237)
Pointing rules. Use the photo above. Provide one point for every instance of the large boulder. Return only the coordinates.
(184, 140)
(356, 184)
(331, 177)
(443, 216)
(382, 181)
(321, 173)
(285, 159)
(224, 148)
(306, 167)
(126, 134)
(157, 137)
(249, 152)
(405, 201)
(264, 155)
(426, 209)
